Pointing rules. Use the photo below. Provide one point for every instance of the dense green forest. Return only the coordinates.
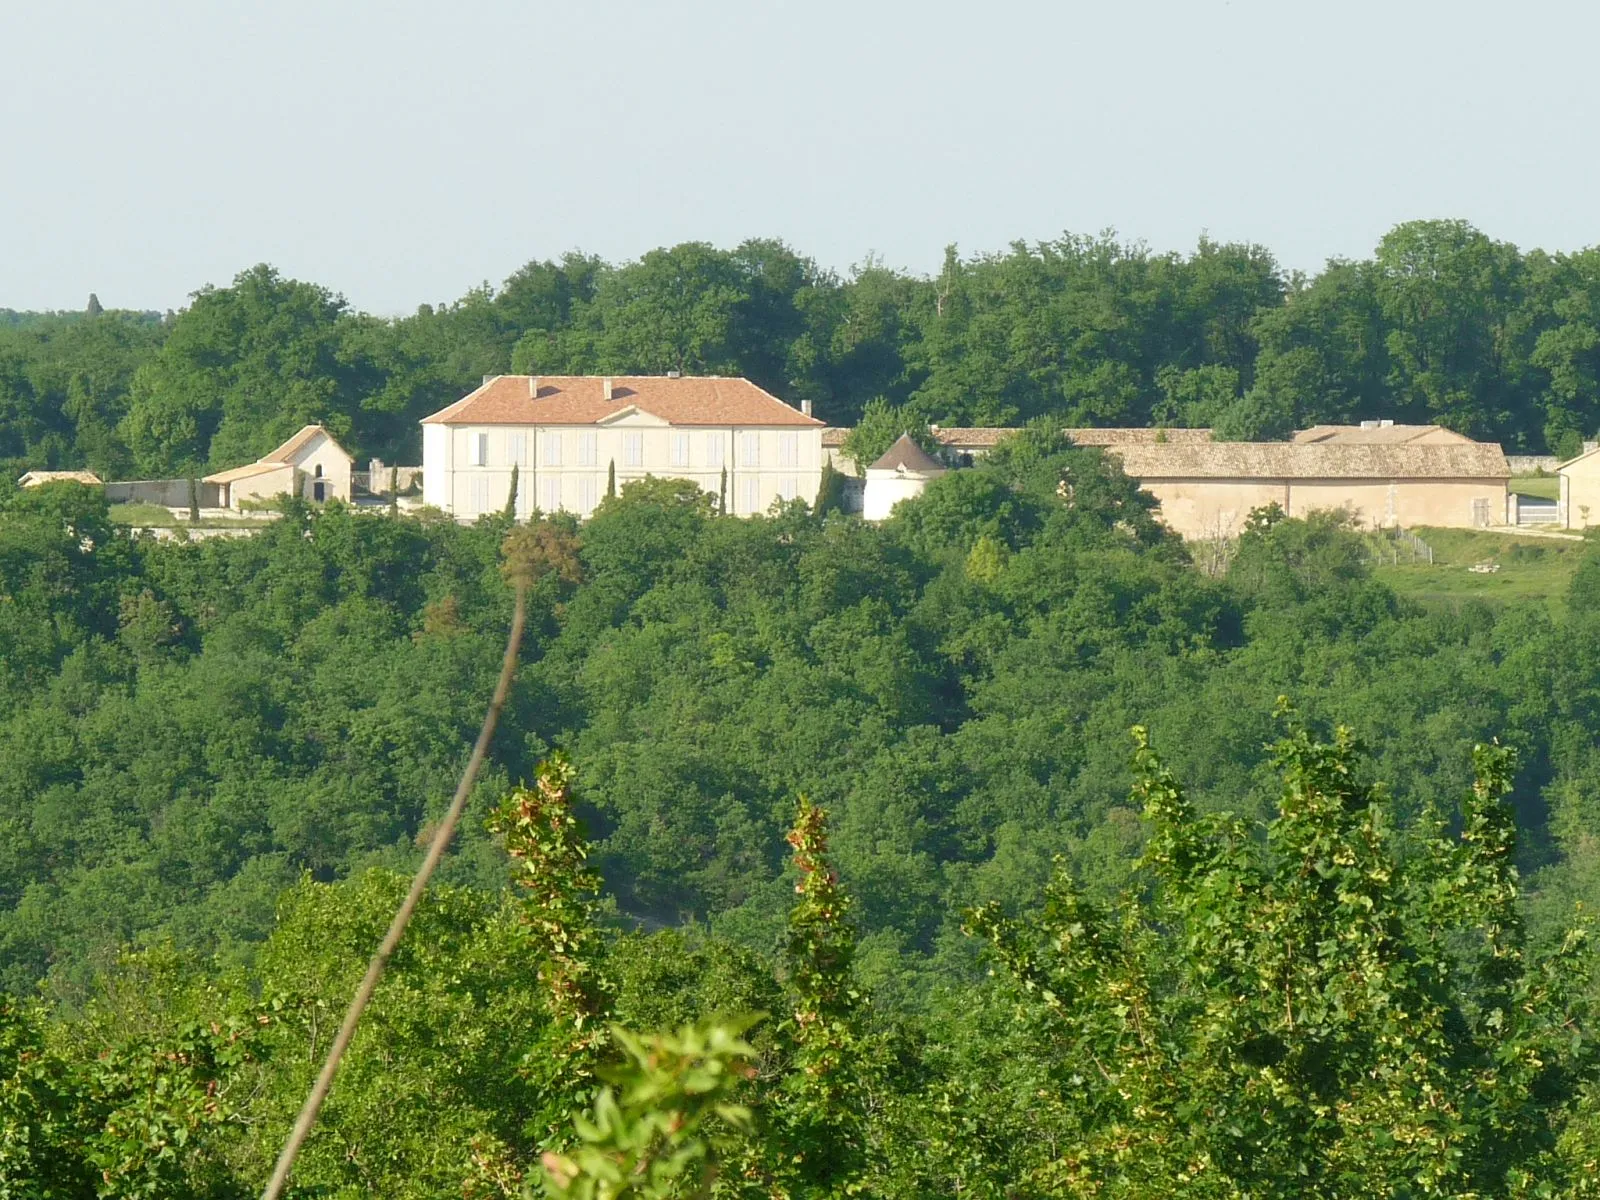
(1044, 966)
(1442, 324)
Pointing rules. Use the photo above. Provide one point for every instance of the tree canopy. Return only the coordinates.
(1442, 324)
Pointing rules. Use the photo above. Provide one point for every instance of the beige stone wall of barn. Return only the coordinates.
(1442, 503)
(1451, 503)
(1371, 503)
(1208, 508)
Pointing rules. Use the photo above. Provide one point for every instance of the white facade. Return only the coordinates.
(886, 488)
(900, 474)
(565, 467)
(325, 467)
(311, 463)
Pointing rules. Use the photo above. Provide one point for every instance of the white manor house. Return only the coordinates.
(564, 434)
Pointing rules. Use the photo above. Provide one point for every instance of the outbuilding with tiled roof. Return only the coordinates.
(1209, 490)
(900, 473)
(311, 464)
(39, 478)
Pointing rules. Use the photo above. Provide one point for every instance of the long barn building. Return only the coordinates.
(1209, 490)
(1381, 473)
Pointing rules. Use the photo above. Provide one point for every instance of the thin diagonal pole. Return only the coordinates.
(397, 927)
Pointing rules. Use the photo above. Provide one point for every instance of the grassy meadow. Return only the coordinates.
(1529, 566)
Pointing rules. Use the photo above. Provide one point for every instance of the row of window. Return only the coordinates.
(679, 448)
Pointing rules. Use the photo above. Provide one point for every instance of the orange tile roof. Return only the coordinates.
(580, 400)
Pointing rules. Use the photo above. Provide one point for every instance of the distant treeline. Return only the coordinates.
(1442, 324)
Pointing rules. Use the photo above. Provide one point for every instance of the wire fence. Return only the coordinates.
(1392, 547)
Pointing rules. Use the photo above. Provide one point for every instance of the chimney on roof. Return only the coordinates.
(533, 387)
(486, 380)
(1386, 423)
(674, 374)
(805, 407)
(605, 388)
(1370, 424)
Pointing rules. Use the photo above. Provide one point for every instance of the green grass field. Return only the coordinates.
(154, 516)
(1529, 567)
(1543, 487)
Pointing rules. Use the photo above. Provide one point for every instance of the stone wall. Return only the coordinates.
(1528, 464)
(377, 477)
(171, 493)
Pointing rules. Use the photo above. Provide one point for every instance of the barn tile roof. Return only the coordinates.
(581, 400)
(1379, 435)
(1314, 460)
(990, 435)
(972, 435)
(833, 437)
(1159, 436)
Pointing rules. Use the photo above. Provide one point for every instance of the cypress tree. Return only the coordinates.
(722, 493)
(827, 490)
(511, 498)
(611, 479)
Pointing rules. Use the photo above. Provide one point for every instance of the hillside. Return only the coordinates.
(184, 729)
(215, 758)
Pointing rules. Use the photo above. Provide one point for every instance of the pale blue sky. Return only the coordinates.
(401, 152)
